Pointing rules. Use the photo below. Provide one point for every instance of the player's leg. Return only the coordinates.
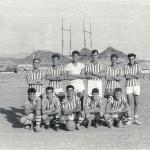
(78, 120)
(56, 121)
(108, 120)
(129, 92)
(46, 121)
(98, 84)
(37, 120)
(90, 86)
(27, 120)
(93, 120)
(136, 108)
(136, 104)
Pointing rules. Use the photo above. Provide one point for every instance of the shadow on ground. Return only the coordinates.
(13, 116)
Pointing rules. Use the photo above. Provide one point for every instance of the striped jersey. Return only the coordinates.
(117, 71)
(71, 104)
(95, 68)
(50, 104)
(59, 70)
(133, 70)
(93, 104)
(32, 105)
(116, 104)
(35, 76)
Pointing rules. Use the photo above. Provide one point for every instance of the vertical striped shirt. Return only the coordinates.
(133, 70)
(71, 104)
(59, 70)
(95, 68)
(116, 104)
(32, 105)
(93, 104)
(47, 104)
(35, 76)
(117, 71)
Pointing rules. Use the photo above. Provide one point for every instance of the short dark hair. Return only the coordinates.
(31, 90)
(131, 55)
(118, 90)
(69, 86)
(94, 51)
(75, 52)
(114, 56)
(55, 56)
(49, 88)
(95, 90)
(37, 59)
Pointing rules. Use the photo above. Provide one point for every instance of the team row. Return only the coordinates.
(73, 112)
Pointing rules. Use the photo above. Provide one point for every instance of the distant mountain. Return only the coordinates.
(85, 55)
(109, 51)
(45, 57)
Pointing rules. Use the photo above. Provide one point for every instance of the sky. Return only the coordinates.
(27, 25)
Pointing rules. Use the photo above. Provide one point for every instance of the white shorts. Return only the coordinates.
(78, 85)
(95, 84)
(133, 90)
(59, 90)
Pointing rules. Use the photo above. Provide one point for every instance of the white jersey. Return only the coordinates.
(76, 69)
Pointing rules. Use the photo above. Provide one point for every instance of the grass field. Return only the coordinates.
(14, 137)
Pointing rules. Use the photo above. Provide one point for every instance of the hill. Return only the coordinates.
(45, 57)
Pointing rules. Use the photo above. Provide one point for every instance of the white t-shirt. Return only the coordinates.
(74, 69)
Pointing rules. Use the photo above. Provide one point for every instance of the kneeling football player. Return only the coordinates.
(93, 110)
(71, 109)
(117, 110)
(51, 109)
(32, 110)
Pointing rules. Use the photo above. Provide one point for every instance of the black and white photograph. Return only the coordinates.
(74, 74)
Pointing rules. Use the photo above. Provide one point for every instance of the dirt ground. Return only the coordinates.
(14, 137)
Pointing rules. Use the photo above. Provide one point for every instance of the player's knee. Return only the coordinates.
(106, 116)
(38, 112)
(22, 120)
(44, 117)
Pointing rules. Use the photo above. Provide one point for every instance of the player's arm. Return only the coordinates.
(129, 76)
(99, 74)
(56, 110)
(65, 109)
(77, 109)
(74, 76)
(52, 78)
(137, 76)
(28, 109)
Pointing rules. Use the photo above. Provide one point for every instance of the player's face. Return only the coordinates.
(131, 60)
(31, 96)
(114, 60)
(36, 64)
(95, 96)
(117, 95)
(55, 61)
(70, 91)
(49, 93)
(95, 56)
(75, 57)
